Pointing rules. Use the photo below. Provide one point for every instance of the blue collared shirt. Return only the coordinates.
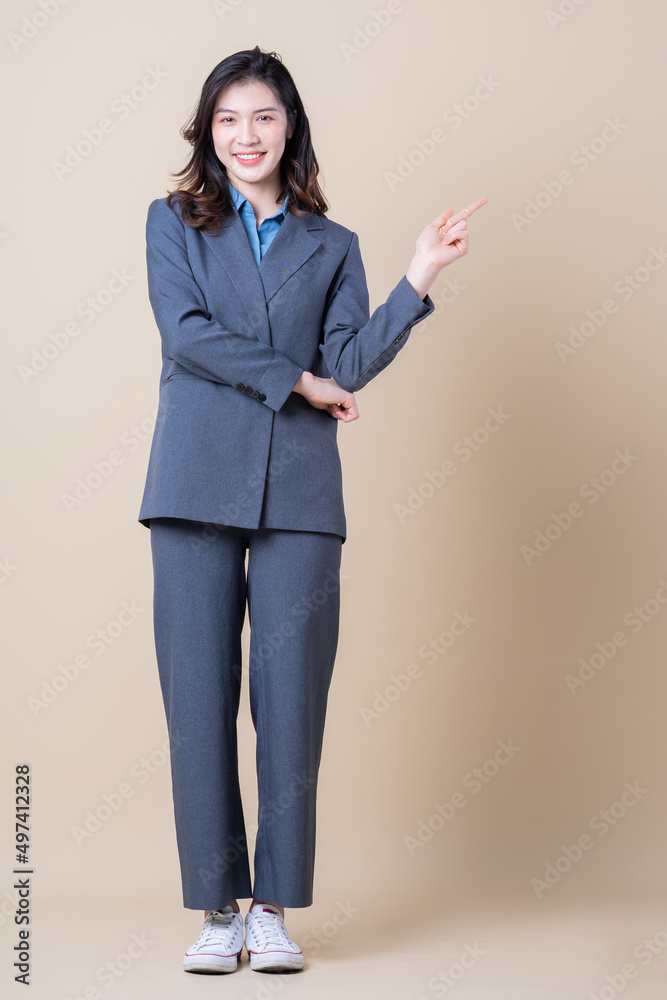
(260, 239)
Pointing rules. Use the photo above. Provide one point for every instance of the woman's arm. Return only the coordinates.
(356, 346)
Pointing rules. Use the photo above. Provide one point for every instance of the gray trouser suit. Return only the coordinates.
(293, 598)
(235, 445)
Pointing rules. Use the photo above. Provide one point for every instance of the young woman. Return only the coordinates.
(262, 307)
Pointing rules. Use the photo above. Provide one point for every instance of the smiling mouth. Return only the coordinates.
(249, 157)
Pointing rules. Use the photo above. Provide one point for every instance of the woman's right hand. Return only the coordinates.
(326, 394)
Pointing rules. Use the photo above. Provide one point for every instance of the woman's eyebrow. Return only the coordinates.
(256, 112)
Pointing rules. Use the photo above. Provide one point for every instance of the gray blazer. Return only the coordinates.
(233, 444)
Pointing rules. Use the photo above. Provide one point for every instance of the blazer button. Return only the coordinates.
(261, 396)
(254, 394)
(240, 385)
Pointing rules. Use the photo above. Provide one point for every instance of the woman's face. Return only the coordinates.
(248, 119)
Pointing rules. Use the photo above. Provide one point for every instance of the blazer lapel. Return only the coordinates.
(292, 245)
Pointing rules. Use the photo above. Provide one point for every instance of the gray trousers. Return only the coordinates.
(292, 591)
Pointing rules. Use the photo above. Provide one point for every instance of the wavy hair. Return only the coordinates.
(204, 198)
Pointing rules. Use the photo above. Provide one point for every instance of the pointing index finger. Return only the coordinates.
(465, 213)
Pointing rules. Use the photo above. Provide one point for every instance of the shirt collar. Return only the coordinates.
(239, 200)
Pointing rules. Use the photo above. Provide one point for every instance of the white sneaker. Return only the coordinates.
(267, 943)
(219, 945)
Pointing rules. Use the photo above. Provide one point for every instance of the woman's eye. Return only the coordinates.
(267, 117)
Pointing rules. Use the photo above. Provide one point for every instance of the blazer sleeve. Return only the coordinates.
(355, 345)
(190, 336)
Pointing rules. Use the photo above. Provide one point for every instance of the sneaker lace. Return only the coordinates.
(270, 928)
(218, 927)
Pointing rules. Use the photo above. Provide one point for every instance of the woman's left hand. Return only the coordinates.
(443, 241)
(446, 238)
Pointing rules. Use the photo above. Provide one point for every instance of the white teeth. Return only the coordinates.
(253, 156)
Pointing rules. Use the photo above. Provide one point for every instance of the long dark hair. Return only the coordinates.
(204, 198)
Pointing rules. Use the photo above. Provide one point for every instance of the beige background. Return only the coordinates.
(492, 343)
